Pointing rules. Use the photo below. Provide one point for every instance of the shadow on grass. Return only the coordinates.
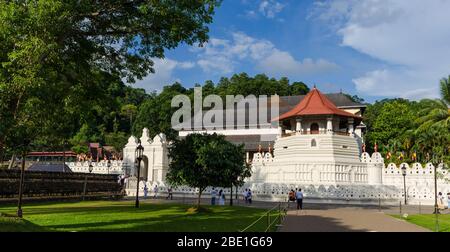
(14, 224)
(126, 218)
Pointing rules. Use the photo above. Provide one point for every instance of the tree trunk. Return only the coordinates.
(199, 197)
(11, 162)
(231, 195)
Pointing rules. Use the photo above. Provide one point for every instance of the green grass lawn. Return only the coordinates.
(428, 221)
(122, 216)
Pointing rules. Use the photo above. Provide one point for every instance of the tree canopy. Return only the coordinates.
(202, 160)
(59, 57)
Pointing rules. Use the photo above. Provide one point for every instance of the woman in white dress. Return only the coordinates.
(221, 197)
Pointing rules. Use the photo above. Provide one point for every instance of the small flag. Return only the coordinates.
(388, 155)
(414, 156)
(400, 157)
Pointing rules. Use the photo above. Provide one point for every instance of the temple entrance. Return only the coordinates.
(144, 168)
(314, 129)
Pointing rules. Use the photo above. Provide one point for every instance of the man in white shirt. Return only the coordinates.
(299, 198)
(213, 196)
(245, 195)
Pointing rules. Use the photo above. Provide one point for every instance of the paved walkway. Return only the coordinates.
(319, 217)
(345, 219)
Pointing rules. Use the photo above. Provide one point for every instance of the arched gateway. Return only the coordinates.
(154, 164)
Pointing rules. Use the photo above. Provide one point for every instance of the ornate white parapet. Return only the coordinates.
(98, 167)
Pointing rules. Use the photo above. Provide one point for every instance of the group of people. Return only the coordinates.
(297, 196)
(440, 202)
(247, 196)
(220, 195)
(156, 190)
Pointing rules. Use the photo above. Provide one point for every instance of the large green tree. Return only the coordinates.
(55, 54)
(202, 160)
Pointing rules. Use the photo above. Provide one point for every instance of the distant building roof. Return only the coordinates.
(315, 103)
(285, 104)
(94, 145)
(46, 167)
(51, 154)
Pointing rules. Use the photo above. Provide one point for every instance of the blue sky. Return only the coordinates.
(375, 49)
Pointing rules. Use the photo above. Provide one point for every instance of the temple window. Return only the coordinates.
(314, 129)
(313, 143)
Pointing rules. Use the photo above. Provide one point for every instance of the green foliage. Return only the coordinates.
(60, 58)
(445, 90)
(155, 112)
(403, 128)
(202, 160)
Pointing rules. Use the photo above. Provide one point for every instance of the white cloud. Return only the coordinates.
(221, 56)
(269, 8)
(411, 36)
(263, 8)
(163, 75)
(282, 62)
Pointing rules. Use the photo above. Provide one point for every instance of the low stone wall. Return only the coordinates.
(56, 184)
(332, 194)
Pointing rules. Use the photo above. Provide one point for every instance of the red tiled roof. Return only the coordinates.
(315, 103)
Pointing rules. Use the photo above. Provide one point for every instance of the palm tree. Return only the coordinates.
(434, 119)
(445, 89)
(436, 112)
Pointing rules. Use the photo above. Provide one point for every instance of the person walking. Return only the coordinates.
(213, 196)
(448, 200)
(291, 195)
(145, 191)
(249, 196)
(221, 198)
(155, 191)
(440, 201)
(299, 198)
(244, 195)
(170, 195)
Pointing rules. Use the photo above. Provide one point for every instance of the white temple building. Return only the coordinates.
(317, 146)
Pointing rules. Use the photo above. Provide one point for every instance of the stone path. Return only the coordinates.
(345, 219)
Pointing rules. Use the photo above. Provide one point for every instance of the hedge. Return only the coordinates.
(38, 184)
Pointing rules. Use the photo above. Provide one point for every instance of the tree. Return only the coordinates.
(202, 160)
(56, 53)
(129, 110)
(155, 113)
(436, 112)
(392, 120)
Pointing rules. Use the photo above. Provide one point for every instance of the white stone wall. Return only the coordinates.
(97, 167)
(331, 171)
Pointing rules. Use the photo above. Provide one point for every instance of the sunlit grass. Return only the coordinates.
(123, 216)
(428, 221)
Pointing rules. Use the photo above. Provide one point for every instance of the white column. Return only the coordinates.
(298, 126)
(247, 157)
(350, 126)
(329, 125)
(280, 131)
